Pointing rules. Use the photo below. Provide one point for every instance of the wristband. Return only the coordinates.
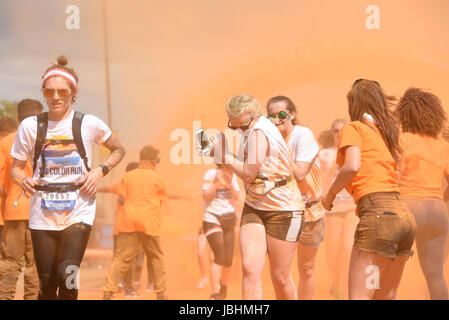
(104, 169)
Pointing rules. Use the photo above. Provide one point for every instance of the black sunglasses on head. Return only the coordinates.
(358, 80)
(243, 128)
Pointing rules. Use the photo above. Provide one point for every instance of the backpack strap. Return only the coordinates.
(76, 131)
(42, 125)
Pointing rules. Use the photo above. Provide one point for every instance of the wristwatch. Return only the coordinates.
(104, 168)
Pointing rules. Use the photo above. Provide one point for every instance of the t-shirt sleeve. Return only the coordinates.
(307, 147)
(23, 142)
(235, 182)
(208, 179)
(101, 131)
(350, 136)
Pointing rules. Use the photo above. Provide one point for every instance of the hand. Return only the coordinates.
(28, 185)
(90, 182)
(121, 199)
(219, 148)
(328, 201)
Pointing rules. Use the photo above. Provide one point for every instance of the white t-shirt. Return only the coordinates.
(302, 142)
(63, 165)
(304, 148)
(221, 203)
(278, 165)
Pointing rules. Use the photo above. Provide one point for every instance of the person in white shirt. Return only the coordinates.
(62, 188)
(271, 217)
(306, 168)
(220, 194)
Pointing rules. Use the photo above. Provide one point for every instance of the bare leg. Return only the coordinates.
(306, 268)
(334, 225)
(215, 277)
(431, 219)
(364, 269)
(253, 247)
(390, 278)
(344, 251)
(280, 254)
(225, 272)
(201, 255)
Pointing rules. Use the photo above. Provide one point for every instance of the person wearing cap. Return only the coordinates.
(62, 186)
(144, 191)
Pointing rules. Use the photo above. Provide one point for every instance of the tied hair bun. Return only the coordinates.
(61, 61)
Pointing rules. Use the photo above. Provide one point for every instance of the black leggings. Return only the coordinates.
(221, 242)
(58, 255)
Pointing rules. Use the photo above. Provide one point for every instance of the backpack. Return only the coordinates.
(42, 125)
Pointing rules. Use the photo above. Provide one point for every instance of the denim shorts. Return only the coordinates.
(281, 225)
(386, 225)
(312, 233)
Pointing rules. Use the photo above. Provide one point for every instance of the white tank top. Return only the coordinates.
(277, 166)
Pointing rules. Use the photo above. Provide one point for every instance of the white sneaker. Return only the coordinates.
(203, 282)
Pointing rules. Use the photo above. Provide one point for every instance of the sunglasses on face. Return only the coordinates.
(243, 128)
(358, 80)
(62, 93)
(281, 115)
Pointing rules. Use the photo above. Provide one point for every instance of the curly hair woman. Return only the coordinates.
(423, 167)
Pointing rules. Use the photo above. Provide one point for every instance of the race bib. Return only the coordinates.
(58, 200)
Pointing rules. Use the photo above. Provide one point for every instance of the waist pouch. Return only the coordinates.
(262, 186)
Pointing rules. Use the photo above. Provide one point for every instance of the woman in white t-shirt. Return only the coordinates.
(220, 194)
(271, 217)
(63, 188)
(306, 168)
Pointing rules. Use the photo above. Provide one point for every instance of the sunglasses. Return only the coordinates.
(358, 80)
(62, 93)
(243, 128)
(281, 115)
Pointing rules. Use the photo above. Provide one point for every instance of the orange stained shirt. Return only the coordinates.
(424, 164)
(121, 223)
(378, 169)
(22, 211)
(144, 191)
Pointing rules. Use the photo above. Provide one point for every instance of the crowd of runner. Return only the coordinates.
(374, 186)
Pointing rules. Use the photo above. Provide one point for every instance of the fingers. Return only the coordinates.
(89, 188)
(28, 187)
